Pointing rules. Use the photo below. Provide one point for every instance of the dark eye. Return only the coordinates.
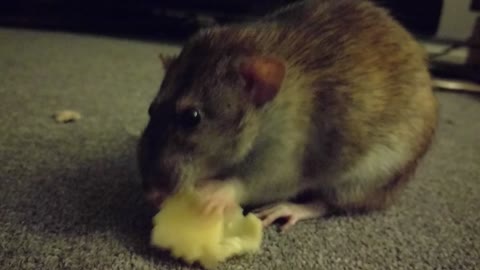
(189, 118)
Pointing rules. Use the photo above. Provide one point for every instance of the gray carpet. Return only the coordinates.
(69, 193)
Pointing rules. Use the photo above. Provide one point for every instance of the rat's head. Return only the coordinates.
(206, 115)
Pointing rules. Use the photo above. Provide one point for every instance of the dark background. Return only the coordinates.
(175, 20)
(160, 18)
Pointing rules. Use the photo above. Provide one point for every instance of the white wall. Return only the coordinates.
(457, 20)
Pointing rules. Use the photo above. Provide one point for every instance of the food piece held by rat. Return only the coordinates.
(187, 233)
(318, 108)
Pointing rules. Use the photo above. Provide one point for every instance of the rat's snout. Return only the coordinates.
(160, 165)
(155, 197)
(161, 181)
(157, 188)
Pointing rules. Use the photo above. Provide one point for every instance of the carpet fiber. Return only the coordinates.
(70, 194)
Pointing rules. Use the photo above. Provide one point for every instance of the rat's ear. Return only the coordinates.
(167, 60)
(264, 77)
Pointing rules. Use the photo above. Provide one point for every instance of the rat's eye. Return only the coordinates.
(189, 118)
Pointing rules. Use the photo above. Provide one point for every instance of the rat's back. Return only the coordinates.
(373, 112)
(373, 103)
(356, 76)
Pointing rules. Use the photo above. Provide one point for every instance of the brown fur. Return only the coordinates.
(352, 117)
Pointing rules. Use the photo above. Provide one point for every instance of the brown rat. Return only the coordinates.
(326, 101)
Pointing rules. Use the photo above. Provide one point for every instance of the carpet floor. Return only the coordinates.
(70, 193)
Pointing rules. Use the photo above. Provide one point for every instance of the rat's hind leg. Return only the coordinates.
(293, 212)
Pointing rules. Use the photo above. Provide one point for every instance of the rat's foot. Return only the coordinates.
(291, 211)
(218, 196)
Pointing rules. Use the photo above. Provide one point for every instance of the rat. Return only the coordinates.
(320, 107)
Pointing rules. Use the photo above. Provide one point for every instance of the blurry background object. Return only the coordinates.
(455, 46)
(449, 29)
(146, 18)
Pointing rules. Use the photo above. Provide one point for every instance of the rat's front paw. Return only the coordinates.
(217, 196)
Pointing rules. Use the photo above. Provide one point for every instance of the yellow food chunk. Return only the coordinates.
(67, 116)
(182, 228)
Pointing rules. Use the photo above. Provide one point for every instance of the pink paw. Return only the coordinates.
(217, 196)
(290, 211)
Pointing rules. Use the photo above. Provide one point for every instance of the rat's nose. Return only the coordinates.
(155, 197)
